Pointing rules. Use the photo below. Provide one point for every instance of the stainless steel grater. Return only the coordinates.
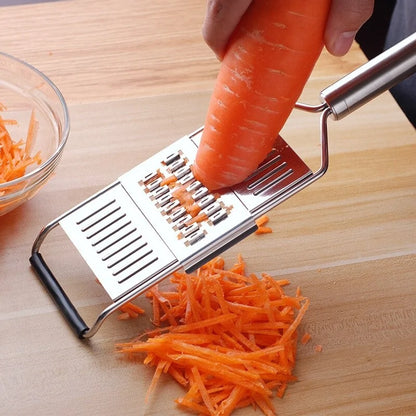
(136, 231)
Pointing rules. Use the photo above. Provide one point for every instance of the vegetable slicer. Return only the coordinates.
(136, 231)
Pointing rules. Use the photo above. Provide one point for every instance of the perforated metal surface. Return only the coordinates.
(117, 242)
(158, 218)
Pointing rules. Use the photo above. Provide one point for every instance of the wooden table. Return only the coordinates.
(137, 75)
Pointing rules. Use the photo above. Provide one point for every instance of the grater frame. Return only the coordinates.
(279, 177)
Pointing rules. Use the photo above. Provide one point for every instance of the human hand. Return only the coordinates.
(344, 20)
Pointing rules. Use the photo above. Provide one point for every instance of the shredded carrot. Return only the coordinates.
(182, 201)
(305, 338)
(183, 196)
(168, 180)
(230, 338)
(261, 228)
(129, 311)
(31, 132)
(202, 216)
(264, 219)
(318, 348)
(15, 156)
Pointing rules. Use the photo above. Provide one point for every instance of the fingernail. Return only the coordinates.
(343, 43)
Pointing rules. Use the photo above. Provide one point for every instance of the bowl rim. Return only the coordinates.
(65, 124)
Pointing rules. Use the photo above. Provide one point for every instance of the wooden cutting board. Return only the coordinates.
(137, 75)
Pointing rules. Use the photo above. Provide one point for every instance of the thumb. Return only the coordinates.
(344, 20)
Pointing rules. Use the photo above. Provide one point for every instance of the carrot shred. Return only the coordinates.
(201, 216)
(156, 376)
(261, 227)
(230, 338)
(31, 133)
(264, 219)
(168, 180)
(129, 311)
(305, 338)
(15, 155)
(263, 230)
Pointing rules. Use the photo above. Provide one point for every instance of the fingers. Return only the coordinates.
(345, 19)
(221, 18)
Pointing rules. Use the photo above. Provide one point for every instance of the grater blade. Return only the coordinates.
(136, 231)
(117, 242)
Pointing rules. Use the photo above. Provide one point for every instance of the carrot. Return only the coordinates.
(305, 338)
(264, 219)
(183, 199)
(129, 311)
(199, 217)
(168, 180)
(31, 132)
(267, 63)
(15, 155)
(230, 342)
(261, 227)
(263, 230)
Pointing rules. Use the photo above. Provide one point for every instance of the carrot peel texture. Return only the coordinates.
(267, 63)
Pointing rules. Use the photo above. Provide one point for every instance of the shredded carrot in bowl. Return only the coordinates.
(15, 156)
(230, 338)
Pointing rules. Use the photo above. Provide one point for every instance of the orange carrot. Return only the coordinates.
(31, 132)
(201, 216)
(129, 311)
(230, 342)
(168, 180)
(15, 155)
(264, 219)
(261, 228)
(159, 369)
(305, 338)
(267, 63)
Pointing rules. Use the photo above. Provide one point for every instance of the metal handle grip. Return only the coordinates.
(372, 78)
(58, 294)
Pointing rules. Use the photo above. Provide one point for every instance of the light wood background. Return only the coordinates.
(137, 75)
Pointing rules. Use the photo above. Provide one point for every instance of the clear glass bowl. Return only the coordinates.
(24, 89)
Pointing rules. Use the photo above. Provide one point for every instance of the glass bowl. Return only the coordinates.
(26, 94)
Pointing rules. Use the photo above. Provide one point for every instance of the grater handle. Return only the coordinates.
(372, 78)
(58, 294)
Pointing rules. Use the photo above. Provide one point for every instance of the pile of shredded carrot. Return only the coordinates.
(229, 338)
(15, 155)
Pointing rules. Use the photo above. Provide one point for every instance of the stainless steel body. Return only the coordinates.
(137, 231)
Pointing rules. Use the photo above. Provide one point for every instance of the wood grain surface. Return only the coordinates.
(137, 76)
